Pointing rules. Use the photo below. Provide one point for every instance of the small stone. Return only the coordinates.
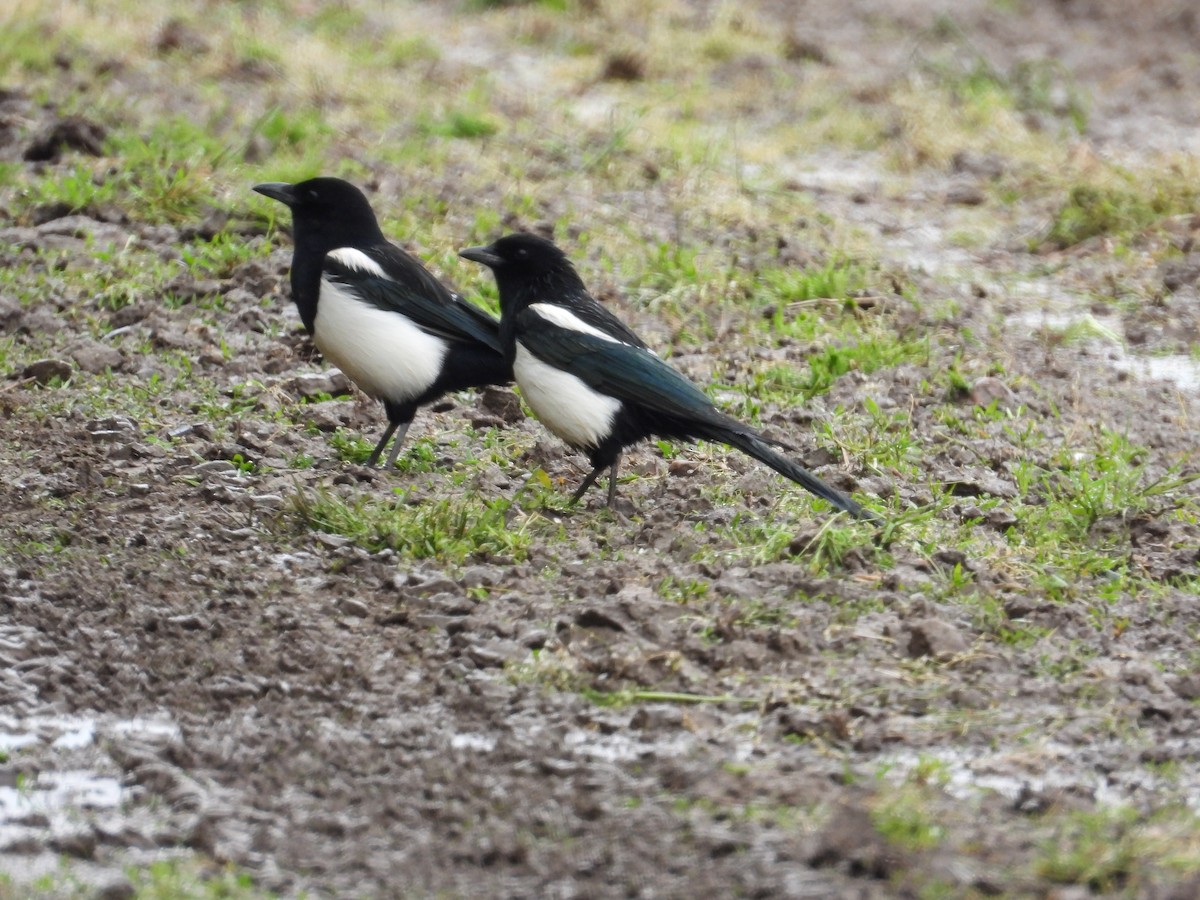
(77, 842)
(434, 621)
(1000, 519)
(16, 317)
(951, 558)
(328, 415)
(176, 35)
(114, 887)
(20, 841)
(215, 467)
(971, 512)
(228, 687)
(683, 467)
(30, 818)
(104, 234)
(594, 617)
(976, 482)
(130, 315)
(351, 606)
(797, 48)
(1187, 687)
(186, 289)
(424, 584)
(624, 67)
(310, 385)
(97, 358)
(535, 638)
(989, 390)
(493, 654)
(965, 194)
(480, 576)
(1179, 273)
(114, 429)
(982, 165)
(483, 421)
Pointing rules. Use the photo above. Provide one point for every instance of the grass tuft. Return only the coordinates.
(449, 530)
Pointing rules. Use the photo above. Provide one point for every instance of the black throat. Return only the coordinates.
(313, 240)
(560, 286)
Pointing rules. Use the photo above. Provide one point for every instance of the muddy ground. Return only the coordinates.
(188, 674)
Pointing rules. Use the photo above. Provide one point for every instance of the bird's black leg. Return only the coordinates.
(401, 434)
(587, 483)
(387, 435)
(612, 481)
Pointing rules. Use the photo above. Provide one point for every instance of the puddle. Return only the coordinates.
(1180, 369)
(83, 736)
(54, 792)
(621, 748)
(1184, 371)
(65, 754)
(480, 743)
(18, 734)
(1049, 768)
(163, 728)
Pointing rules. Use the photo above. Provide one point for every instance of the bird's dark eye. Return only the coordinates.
(313, 195)
(522, 253)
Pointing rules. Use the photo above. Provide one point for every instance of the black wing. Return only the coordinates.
(631, 374)
(413, 292)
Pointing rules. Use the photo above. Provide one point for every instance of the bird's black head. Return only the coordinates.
(327, 213)
(528, 269)
(521, 252)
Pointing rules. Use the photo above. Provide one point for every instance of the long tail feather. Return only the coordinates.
(755, 446)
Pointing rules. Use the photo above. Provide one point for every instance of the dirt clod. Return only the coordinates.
(46, 370)
(850, 842)
(69, 134)
(936, 638)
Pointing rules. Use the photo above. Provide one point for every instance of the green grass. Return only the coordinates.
(462, 124)
(175, 879)
(827, 365)
(155, 182)
(1111, 849)
(903, 818)
(1121, 206)
(182, 880)
(452, 531)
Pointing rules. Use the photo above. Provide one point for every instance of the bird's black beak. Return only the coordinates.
(278, 190)
(484, 255)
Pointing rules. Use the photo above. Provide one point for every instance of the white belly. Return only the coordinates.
(564, 404)
(382, 352)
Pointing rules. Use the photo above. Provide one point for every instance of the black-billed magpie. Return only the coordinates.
(594, 383)
(376, 313)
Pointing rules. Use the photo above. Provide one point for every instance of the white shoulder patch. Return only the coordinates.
(564, 318)
(353, 258)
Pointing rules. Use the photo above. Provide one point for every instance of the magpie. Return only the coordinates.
(594, 383)
(376, 313)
